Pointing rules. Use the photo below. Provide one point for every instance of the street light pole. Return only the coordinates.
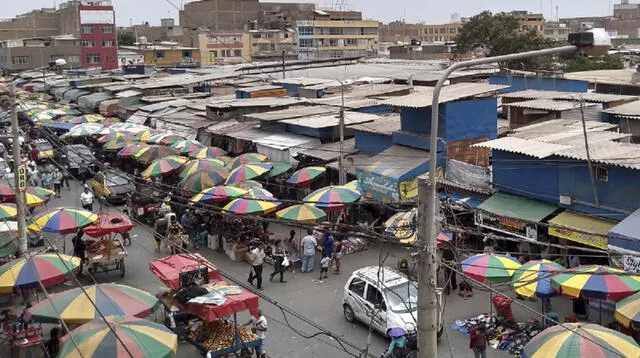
(427, 295)
(17, 171)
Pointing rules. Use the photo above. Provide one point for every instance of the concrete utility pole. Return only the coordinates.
(284, 65)
(19, 174)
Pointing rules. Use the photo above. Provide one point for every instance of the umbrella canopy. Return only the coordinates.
(108, 223)
(533, 279)
(8, 211)
(218, 194)
(129, 127)
(163, 166)
(332, 197)
(490, 268)
(106, 138)
(164, 139)
(628, 311)
(6, 192)
(206, 152)
(146, 155)
(25, 273)
(168, 269)
(301, 213)
(355, 186)
(194, 166)
(89, 118)
(259, 193)
(246, 184)
(129, 151)
(305, 176)
(201, 180)
(48, 114)
(62, 220)
(247, 158)
(8, 235)
(118, 143)
(596, 282)
(580, 340)
(402, 226)
(186, 145)
(247, 172)
(41, 192)
(85, 129)
(251, 206)
(33, 200)
(144, 135)
(279, 168)
(74, 306)
(142, 339)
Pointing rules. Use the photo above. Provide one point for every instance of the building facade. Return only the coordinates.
(268, 45)
(440, 32)
(167, 56)
(24, 54)
(224, 48)
(556, 31)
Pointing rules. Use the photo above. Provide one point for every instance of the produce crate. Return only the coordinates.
(229, 350)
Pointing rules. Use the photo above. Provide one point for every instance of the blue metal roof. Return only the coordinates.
(626, 234)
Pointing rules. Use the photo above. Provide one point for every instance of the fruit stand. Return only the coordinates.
(108, 252)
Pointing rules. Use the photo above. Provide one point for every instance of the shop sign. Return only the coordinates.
(507, 225)
(631, 263)
(409, 189)
(386, 187)
(590, 240)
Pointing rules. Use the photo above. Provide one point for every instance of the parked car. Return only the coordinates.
(112, 185)
(42, 149)
(390, 297)
(78, 158)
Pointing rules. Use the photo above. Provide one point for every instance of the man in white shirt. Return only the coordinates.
(308, 245)
(256, 272)
(86, 198)
(258, 326)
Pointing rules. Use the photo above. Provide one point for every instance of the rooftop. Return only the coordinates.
(448, 94)
(331, 120)
(298, 111)
(616, 77)
(383, 125)
(546, 105)
(627, 109)
(569, 96)
(331, 151)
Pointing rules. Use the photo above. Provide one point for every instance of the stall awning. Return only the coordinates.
(581, 228)
(461, 199)
(626, 235)
(517, 207)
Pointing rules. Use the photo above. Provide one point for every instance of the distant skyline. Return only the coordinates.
(415, 11)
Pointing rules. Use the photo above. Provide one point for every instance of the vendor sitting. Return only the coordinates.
(398, 345)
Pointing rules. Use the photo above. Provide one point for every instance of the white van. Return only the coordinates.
(391, 296)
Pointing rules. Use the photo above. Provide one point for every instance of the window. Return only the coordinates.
(375, 297)
(453, 30)
(602, 174)
(335, 31)
(93, 58)
(88, 43)
(306, 42)
(357, 286)
(20, 60)
(362, 31)
(186, 54)
(73, 59)
(351, 42)
(333, 42)
(237, 53)
(86, 29)
(159, 54)
(107, 29)
(108, 43)
(305, 30)
(256, 36)
(213, 53)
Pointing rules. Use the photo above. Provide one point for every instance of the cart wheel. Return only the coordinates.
(122, 271)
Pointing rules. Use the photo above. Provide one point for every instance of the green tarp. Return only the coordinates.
(517, 207)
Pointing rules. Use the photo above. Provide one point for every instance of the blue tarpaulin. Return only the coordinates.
(59, 126)
(459, 198)
(626, 235)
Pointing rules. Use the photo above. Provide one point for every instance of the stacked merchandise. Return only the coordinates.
(353, 245)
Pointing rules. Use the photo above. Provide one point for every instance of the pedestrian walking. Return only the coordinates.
(324, 265)
(478, 341)
(33, 174)
(278, 254)
(327, 246)
(293, 251)
(65, 176)
(86, 199)
(258, 326)
(161, 227)
(449, 274)
(257, 255)
(308, 245)
(337, 256)
(47, 180)
(57, 181)
(203, 236)
(79, 248)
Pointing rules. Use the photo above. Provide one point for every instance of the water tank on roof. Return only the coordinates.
(143, 40)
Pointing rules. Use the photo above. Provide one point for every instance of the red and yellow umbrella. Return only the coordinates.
(251, 206)
(129, 151)
(596, 282)
(27, 273)
(163, 166)
(218, 194)
(206, 152)
(305, 176)
(247, 172)
(490, 268)
(301, 213)
(62, 220)
(248, 158)
(151, 152)
(196, 165)
(200, 181)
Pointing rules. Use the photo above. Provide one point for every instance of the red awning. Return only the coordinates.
(168, 269)
(245, 301)
(108, 223)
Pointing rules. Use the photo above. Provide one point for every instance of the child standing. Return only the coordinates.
(324, 265)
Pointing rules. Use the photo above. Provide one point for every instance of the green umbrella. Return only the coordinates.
(279, 168)
(201, 180)
(301, 213)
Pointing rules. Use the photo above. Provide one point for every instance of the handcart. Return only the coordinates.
(108, 252)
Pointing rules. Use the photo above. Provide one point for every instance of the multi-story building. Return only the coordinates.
(167, 31)
(440, 32)
(167, 56)
(530, 21)
(28, 53)
(37, 23)
(269, 45)
(325, 37)
(624, 10)
(399, 31)
(556, 31)
(224, 48)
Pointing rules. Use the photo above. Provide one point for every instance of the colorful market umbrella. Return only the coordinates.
(186, 145)
(132, 128)
(164, 139)
(129, 151)
(533, 279)
(196, 165)
(8, 211)
(146, 155)
(27, 273)
(118, 143)
(201, 180)
(41, 192)
(301, 213)
(218, 194)
(108, 137)
(48, 114)
(580, 340)
(163, 166)
(355, 186)
(8, 235)
(144, 135)
(206, 152)
(7, 193)
(596, 282)
(279, 168)
(75, 305)
(628, 311)
(34, 200)
(332, 197)
(402, 226)
(142, 339)
(251, 206)
(305, 176)
(62, 220)
(247, 158)
(248, 172)
(246, 184)
(89, 118)
(85, 129)
(259, 193)
(490, 268)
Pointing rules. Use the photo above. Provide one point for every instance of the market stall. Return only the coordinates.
(107, 253)
(169, 269)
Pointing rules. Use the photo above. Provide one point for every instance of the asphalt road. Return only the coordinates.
(319, 301)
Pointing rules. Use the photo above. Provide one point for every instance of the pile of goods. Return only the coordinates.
(353, 245)
(106, 249)
(218, 335)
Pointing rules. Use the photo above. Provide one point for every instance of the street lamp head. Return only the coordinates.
(595, 42)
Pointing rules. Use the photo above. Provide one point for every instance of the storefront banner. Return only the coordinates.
(507, 225)
(409, 189)
(378, 187)
(631, 263)
(590, 240)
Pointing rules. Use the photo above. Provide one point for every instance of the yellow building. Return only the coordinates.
(440, 32)
(167, 56)
(225, 48)
(322, 39)
(268, 45)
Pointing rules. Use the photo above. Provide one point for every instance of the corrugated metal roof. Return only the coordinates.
(523, 146)
(260, 88)
(303, 81)
(352, 162)
(623, 77)
(331, 151)
(248, 134)
(257, 102)
(627, 109)
(232, 128)
(546, 105)
(569, 96)
(331, 120)
(383, 125)
(128, 93)
(619, 154)
(295, 112)
(448, 94)
(349, 103)
(283, 141)
(214, 128)
(553, 126)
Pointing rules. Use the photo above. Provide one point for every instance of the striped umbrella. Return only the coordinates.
(200, 181)
(628, 311)
(251, 206)
(83, 130)
(196, 165)
(279, 168)
(305, 176)
(490, 268)
(132, 128)
(27, 273)
(259, 193)
(129, 151)
(218, 194)
(596, 282)
(246, 184)
(8, 211)
(533, 279)
(248, 172)
(207, 152)
(34, 201)
(41, 192)
(187, 144)
(48, 114)
(131, 337)
(355, 186)
(74, 306)
(163, 166)
(62, 220)
(118, 143)
(332, 197)
(248, 158)
(151, 152)
(301, 213)
(8, 235)
(580, 340)
(144, 135)
(164, 139)
(106, 138)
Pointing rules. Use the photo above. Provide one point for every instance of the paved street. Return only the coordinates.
(318, 301)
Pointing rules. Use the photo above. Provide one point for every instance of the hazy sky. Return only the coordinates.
(430, 11)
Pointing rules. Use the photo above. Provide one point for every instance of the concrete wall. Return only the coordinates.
(538, 83)
(220, 15)
(38, 23)
(40, 56)
(277, 15)
(170, 58)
